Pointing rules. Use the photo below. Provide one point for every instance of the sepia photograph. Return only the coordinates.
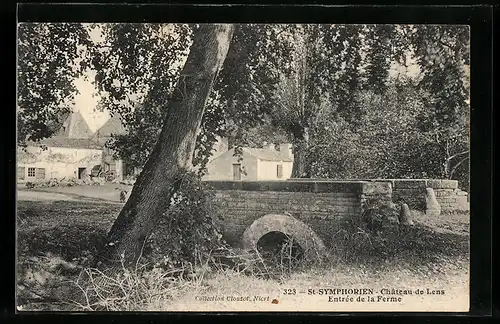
(182, 167)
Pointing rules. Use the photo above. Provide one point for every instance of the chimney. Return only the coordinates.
(286, 151)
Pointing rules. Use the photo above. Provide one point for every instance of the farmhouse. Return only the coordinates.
(114, 168)
(74, 152)
(254, 164)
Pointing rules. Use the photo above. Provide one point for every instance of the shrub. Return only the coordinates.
(30, 185)
(72, 182)
(52, 182)
(190, 229)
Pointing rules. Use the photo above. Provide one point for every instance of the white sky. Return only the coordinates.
(86, 103)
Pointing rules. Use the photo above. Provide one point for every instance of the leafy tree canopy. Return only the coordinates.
(288, 78)
(48, 62)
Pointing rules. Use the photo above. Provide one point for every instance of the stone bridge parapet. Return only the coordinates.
(315, 203)
(320, 203)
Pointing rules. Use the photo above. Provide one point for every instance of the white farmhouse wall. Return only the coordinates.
(221, 168)
(268, 170)
(119, 170)
(58, 162)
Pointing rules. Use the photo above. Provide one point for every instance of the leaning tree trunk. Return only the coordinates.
(172, 154)
(300, 167)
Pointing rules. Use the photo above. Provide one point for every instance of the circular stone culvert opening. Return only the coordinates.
(277, 247)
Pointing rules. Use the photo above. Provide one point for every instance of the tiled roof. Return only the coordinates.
(112, 126)
(75, 127)
(75, 133)
(61, 141)
(268, 154)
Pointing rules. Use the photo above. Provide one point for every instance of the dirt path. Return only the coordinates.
(46, 195)
(36, 196)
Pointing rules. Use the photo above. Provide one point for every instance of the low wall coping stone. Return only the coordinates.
(291, 186)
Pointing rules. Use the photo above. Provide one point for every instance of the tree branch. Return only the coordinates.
(457, 165)
(446, 45)
(458, 154)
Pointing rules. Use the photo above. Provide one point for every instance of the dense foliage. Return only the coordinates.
(344, 95)
(48, 62)
(387, 141)
(189, 231)
(137, 67)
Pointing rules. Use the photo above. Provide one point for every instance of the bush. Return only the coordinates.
(72, 182)
(52, 182)
(190, 229)
(30, 185)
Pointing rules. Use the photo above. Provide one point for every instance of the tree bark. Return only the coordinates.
(300, 167)
(172, 155)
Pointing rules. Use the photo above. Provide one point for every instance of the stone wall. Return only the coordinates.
(320, 204)
(376, 191)
(324, 204)
(449, 197)
(413, 191)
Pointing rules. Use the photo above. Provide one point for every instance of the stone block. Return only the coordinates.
(444, 192)
(432, 207)
(463, 205)
(409, 184)
(415, 193)
(433, 183)
(449, 184)
(449, 200)
(334, 195)
(330, 200)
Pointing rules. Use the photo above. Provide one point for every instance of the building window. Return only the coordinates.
(279, 171)
(31, 172)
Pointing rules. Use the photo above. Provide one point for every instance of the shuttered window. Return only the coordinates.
(279, 171)
(40, 173)
(20, 173)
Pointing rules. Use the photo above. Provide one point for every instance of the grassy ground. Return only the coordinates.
(433, 255)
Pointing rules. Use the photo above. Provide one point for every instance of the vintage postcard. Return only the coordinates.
(242, 167)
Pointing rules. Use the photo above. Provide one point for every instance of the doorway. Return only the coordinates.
(81, 173)
(237, 171)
